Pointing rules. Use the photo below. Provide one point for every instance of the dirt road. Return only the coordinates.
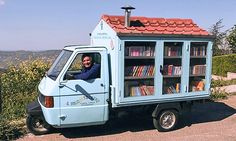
(210, 121)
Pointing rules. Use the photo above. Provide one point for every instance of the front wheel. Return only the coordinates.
(37, 125)
(166, 120)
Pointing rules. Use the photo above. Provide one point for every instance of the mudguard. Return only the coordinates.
(162, 106)
(34, 108)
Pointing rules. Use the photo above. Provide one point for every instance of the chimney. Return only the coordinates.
(127, 14)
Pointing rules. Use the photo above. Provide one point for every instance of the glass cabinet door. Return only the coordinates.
(197, 69)
(139, 68)
(172, 67)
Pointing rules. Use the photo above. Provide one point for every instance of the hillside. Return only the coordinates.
(8, 58)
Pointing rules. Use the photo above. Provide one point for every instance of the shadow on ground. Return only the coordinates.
(129, 123)
(207, 112)
(201, 113)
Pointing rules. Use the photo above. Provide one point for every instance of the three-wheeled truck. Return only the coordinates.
(162, 65)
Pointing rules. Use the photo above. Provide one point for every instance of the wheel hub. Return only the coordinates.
(167, 120)
(39, 125)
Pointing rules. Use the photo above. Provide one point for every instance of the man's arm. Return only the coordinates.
(89, 74)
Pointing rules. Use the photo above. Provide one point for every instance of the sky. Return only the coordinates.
(37, 25)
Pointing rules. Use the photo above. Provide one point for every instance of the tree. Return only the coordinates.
(231, 38)
(218, 37)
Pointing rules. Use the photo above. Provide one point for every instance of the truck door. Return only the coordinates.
(84, 102)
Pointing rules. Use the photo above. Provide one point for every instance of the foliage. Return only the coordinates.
(76, 64)
(218, 94)
(218, 37)
(231, 38)
(11, 130)
(18, 86)
(223, 64)
(220, 83)
(24, 78)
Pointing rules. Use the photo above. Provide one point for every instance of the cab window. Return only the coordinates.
(85, 66)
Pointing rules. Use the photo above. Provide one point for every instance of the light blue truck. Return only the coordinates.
(161, 65)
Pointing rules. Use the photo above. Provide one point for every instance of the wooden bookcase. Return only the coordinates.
(139, 68)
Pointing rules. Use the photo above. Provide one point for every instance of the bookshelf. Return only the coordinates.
(172, 67)
(197, 69)
(139, 70)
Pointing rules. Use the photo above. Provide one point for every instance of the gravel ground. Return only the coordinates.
(209, 121)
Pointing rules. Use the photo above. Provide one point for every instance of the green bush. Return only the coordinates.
(18, 85)
(223, 64)
(11, 130)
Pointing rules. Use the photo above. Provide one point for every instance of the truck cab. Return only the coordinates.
(69, 102)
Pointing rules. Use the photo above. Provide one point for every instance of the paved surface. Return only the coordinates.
(228, 89)
(229, 76)
(210, 121)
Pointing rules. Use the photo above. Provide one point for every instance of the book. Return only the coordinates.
(197, 85)
(142, 90)
(172, 51)
(172, 88)
(140, 51)
(137, 91)
(198, 51)
(177, 87)
(147, 91)
(198, 69)
(139, 71)
(151, 89)
(170, 67)
(172, 70)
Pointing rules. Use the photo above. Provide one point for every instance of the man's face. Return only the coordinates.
(87, 62)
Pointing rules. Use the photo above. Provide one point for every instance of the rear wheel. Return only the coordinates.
(37, 125)
(166, 120)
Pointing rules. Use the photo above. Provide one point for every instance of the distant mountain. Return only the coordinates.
(15, 57)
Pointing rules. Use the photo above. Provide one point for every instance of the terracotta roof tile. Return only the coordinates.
(144, 25)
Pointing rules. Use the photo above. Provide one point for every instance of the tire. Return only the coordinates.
(37, 125)
(166, 120)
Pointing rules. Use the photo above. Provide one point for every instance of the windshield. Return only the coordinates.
(59, 63)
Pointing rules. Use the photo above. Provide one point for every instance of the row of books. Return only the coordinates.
(172, 89)
(140, 71)
(198, 69)
(172, 51)
(139, 51)
(197, 85)
(141, 90)
(172, 70)
(198, 51)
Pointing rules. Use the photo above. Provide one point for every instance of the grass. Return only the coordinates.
(221, 83)
(217, 94)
